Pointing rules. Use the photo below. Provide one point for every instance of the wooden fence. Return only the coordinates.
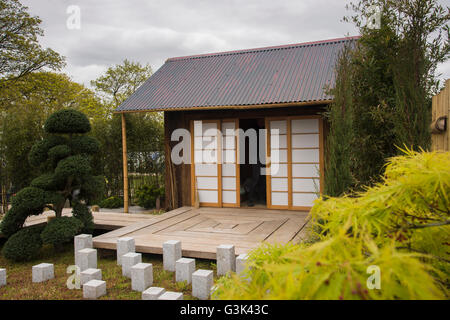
(440, 138)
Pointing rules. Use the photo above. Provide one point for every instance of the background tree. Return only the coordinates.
(383, 89)
(144, 131)
(120, 81)
(20, 51)
(20, 55)
(63, 157)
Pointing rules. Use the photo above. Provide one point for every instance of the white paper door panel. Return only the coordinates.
(205, 143)
(305, 141)
(307, 155)
(228, 170)
(207, 183)
(229, 197)
(205, 156)
(229, 156)
(305, 170)
(303, 199)
(208, 196)
(278, 141)
(279, 198)
(306, 185)
(209, 129)
(279, 184)
(305, 126)
(229, 142)
(278, 156)
(206, 170)
(279, 170)
(229, 183)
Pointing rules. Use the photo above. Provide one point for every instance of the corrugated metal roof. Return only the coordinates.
(296, 73)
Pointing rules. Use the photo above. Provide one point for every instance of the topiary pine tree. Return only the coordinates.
(64, 158)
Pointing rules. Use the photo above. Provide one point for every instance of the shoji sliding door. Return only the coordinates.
(305, 161)
(215, 172)
(295, 151)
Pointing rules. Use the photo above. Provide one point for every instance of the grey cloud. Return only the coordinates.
(150, 31)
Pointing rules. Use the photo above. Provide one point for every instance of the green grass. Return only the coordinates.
(20, 286)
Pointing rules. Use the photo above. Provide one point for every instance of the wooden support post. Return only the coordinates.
(125, 164)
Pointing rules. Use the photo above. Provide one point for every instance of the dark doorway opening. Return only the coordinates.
(252, 179)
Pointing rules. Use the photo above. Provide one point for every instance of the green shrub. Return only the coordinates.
(61, 230)
(146, 196)
(111, 202)
(28, 201)
(400, 225)
(82, 213)
(85, 144)
(24, 245)
(67, 121)
(39, 152)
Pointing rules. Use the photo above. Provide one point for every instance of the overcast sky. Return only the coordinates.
(150, 31)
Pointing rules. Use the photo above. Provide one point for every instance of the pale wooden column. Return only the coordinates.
(125, 164)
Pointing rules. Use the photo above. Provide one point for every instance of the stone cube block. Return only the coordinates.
(87, 258)
(129, 260)
(141, 276)
(80, 242)
(43, 272)
(184, 269)
(2, 277)
(171, 253)
(226, 259)
(124, 246)
(90, 274)
(169, 295)
(202, 282)
(152, 293)
(94, 289)
(241, 261)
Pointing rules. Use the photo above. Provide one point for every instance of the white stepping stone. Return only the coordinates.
(42, 272)
(169, 295)
(241, 261)
(202, 282)
(129, 260)
(141, 276)
(152, 293)
(184, 269)
(2, 277)
(226, 259)
(87, 259)
(80, 242)
(94, 289)
(171, 253)
(124, 246)
(90, 274)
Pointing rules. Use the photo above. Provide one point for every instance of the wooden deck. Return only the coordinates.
(102, 220)
(202, 230)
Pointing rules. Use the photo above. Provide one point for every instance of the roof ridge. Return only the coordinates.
(204, 55)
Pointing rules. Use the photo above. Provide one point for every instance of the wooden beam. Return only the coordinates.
(125, 164)
(234, 107)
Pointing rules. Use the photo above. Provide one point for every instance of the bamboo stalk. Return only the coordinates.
(125, 165)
